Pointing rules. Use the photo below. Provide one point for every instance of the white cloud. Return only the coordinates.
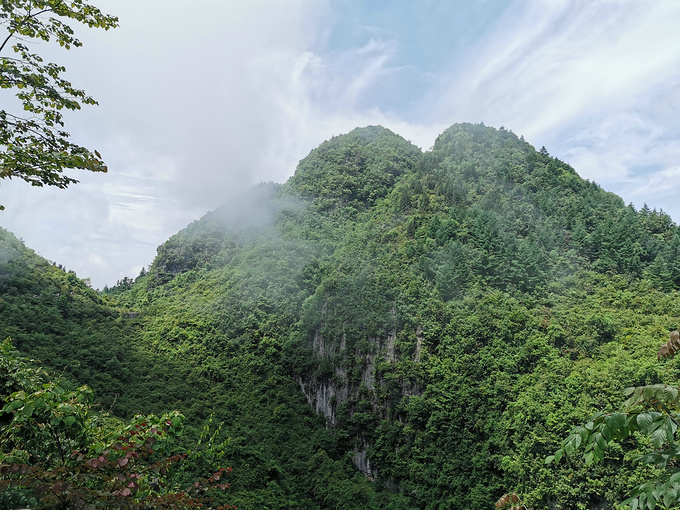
(551, 61)
(182, 124)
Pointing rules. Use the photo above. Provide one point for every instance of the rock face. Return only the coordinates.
(336, 389)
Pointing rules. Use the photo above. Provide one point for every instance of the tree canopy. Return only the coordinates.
(34, 145)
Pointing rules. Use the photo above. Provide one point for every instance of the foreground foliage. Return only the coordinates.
(58, 452)
(652, 411)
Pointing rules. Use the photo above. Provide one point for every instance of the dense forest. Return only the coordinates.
(390, 328)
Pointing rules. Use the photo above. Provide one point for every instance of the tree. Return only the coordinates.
(33, 144)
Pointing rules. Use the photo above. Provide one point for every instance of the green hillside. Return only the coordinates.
(388, 329)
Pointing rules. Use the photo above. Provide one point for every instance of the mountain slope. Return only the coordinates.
(449, 315)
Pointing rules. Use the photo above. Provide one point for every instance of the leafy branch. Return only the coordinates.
(34, 147)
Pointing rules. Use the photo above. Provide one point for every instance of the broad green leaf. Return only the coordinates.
(644, 422)
(642, 500)
(617, 424)
(651, 503)
(598, 453)
(14, 404)
(670, 497)
(671, 428)
(65, 408)
(70, 420)
(658, 437)
(672, 393)
(649, 392)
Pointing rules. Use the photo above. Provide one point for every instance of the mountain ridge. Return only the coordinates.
(447, 314)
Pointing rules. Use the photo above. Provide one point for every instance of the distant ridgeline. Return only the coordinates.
(439, 319)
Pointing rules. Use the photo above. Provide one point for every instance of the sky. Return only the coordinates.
(200, 100)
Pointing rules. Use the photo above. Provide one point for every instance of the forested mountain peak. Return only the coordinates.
(354, 169)
(448, 314)
(482, 192)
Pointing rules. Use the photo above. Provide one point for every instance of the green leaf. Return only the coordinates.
(558, 455)
(671, 393)
(670, 497)
(658, 437)
(644, 421)
(70, 420)
(598, 454)
(649, 393)
(65, 408)
(588, 458)
(642, 500)
(671, 428)
(14, 404)
(617, 424)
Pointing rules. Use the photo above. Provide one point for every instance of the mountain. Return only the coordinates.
(390, 328)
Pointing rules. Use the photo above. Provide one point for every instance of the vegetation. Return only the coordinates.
(652, 411)
(33, 144)
(58, 453)
(388, 329)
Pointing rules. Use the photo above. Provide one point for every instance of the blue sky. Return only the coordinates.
(198, 103)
